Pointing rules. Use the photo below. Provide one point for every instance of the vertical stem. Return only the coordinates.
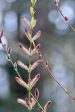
(29, 74)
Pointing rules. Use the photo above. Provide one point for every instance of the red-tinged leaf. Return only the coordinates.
(25, 20)
(36, 93)
(27, 101)
(34, 80)
(37, 35)
(28, 35)
(66, 18)
(22, 83)
(47, 105)
(35, 50)
(24, 49)
(46, 63)
(34, 65)
(56, 2)
(1, 34)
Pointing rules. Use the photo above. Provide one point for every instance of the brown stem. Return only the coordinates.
(10, 60)
(73, 29)
(49, 71)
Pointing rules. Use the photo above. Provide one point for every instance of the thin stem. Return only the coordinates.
(37, 102)
(29, 78)
(73, 29)
(10, 60)
(15, 69)
(49, 71)
(29, 75)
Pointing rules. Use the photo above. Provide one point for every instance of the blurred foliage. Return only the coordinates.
(55, 47)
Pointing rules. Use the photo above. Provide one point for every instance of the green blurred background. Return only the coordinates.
(57, 46)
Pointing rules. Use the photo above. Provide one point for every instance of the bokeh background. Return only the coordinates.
(57, 46)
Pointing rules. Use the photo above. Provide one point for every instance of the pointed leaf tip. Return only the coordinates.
(37, 35)
(33, 2)
(1, 34)
(56, 2)
(36, 93)
(27, 101)
(25, 20)
(47, 105)
(22, 83)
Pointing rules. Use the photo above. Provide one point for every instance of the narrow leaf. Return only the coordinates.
(24, 49)
(34, 80)
(34, 65)
(25, 20)
(22, 83)
(37, 35)
(22, 65)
